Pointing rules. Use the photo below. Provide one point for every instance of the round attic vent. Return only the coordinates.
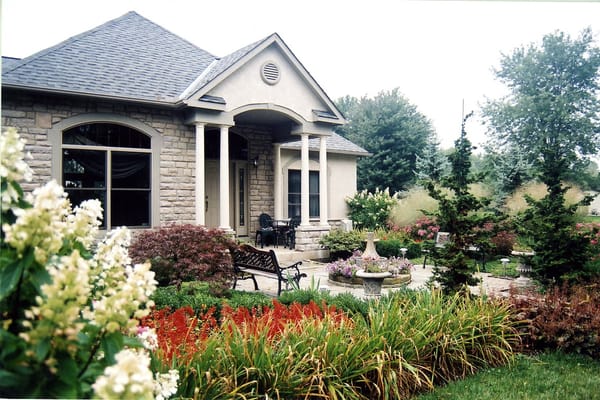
(270, 73)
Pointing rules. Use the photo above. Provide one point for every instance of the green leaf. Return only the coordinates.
(10, 273)
(111, 345)
(42, 349)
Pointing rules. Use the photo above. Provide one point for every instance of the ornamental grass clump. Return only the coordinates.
(69, 310)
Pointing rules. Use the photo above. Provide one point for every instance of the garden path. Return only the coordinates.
(317, 278)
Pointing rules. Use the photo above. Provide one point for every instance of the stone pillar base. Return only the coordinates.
(307, 237)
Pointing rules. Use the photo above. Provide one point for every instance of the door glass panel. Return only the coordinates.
(242, 196)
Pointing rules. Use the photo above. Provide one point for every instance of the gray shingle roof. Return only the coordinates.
(132, 58)
(100, 62)
(335, 144)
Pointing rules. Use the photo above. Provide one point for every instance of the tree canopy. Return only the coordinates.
(552, 117)
(393, 130)
(552, 113)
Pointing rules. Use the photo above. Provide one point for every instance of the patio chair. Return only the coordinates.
(290, 235)
(265, 231)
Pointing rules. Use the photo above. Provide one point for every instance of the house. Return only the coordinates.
(164, 132)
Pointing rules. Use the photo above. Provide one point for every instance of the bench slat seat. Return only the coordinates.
(249, 261)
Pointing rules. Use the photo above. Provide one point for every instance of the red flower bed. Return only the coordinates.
(181, 333)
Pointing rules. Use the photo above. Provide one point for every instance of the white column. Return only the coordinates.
(200, 183)
(304, 183)
(277, 182)
(224, 180)
(323, 190)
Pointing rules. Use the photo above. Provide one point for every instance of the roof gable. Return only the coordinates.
(129, 57)
(228, 67)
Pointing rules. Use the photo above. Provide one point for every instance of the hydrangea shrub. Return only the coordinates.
(69, 307)
(371, 210)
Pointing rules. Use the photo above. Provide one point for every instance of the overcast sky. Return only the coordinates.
(438, 53)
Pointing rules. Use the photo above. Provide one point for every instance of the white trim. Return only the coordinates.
(156, 143)
(323, 190)
(192, 87)
(200, 176)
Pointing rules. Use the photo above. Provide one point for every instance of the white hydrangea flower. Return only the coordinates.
(121, 289)
(148, 337)
(84, 222)
(13, 167)
(129, 378)
(165, 385)
(57, 313)
(43, 226)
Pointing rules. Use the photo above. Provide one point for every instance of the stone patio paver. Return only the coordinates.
(317, 277)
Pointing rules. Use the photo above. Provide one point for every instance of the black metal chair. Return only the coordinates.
(265, 230)
(290, 235)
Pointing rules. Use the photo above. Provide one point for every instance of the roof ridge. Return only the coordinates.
(174, 34)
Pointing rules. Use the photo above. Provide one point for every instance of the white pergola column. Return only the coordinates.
(224, 180)
(200, 176)
(304, 183)
(277, 183)
(323, 190)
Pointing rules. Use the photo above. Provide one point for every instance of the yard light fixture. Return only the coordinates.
(255, 162)
(403, 250)
(504, 262)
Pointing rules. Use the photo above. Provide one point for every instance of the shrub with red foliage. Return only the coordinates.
(181, 253)
(566, 318)
(503, 242)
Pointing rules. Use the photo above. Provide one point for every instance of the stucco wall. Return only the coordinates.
(341, 179)
(245, 86)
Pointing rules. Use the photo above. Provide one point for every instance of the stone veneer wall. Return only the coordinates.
(260, 179)
(34, 116)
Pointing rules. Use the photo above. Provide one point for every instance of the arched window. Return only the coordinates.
(112, 163)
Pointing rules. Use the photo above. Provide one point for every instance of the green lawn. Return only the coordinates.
(592, 218)
(545, 377)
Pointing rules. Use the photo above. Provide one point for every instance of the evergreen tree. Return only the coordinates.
(459, 214)
(552, 115)
(433, 164)
(506, 172)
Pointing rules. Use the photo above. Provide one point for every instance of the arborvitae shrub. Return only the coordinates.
(182, 253)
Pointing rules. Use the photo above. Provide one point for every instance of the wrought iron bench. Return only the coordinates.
(249, 261)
